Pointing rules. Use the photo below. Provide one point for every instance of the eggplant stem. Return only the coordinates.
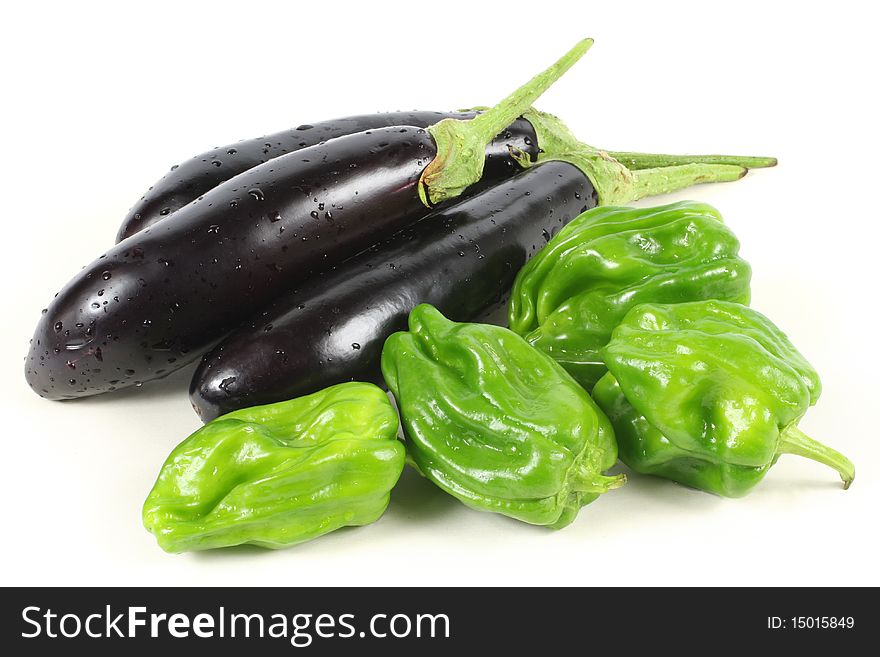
(495, 119)
(636, 161)
(667, 179)
(794, 441)
(461, 144)
(615, 184)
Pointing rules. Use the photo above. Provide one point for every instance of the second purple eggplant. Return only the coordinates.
(461, 260)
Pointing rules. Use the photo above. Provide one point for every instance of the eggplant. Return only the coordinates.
(161, 297)
(461, 259)
(200, 174)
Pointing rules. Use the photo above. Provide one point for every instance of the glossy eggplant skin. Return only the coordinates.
(200, 174)
(461, 259)
(160, 298)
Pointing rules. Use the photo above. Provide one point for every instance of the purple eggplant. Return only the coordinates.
(200, 174)
(462, 259)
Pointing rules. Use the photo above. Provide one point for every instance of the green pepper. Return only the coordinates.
(571, 295)
(708, 394)
(495, 423)
(279, 474)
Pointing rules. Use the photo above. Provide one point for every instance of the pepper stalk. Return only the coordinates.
(794, 441)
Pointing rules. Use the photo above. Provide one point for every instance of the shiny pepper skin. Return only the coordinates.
(496, 423)
(279, 474)
(708, 394)
(571, 295)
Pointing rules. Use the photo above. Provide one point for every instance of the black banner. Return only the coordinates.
(333, 621)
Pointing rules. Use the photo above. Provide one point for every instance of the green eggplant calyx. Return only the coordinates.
(636, 175)
(461, 144)
(794, 441)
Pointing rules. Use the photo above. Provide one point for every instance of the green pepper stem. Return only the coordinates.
(586, 481)
(635, 161)
(461, 144)
(795, 441)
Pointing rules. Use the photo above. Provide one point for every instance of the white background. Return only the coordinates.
(100, 100)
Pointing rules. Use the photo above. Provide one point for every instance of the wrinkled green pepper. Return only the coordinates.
(571, 295)
(708, 394)
(496, 423)
(279, 474)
